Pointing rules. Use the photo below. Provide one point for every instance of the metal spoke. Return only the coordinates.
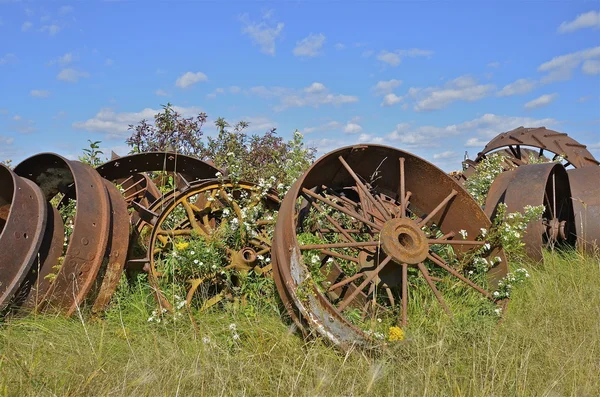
(438, 208)
(369, 278)
(437, 294)
(342, 209)
(379, 207)
(441, 263)
(403, 198)
(355, 244)
(455, 242)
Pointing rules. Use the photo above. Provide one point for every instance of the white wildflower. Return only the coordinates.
(463, 233)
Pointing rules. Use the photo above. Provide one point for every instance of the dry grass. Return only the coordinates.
(548, 344)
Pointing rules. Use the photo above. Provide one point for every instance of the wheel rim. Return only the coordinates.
(384, 206)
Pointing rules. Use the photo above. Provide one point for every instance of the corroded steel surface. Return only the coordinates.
(116, 250)
(534, 185)
(378, 186)
(546, 140)
(23, 216)
(585, 193)
(87, 244)
(123, 167)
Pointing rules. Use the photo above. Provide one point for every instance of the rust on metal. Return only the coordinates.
(544, 184)
(191, 168)
(116, 250)
(23, 217)
(85, 252)
(391, 209)
(585, 197)
(546, 140)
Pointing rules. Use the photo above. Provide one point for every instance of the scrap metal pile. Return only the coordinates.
(364, 230)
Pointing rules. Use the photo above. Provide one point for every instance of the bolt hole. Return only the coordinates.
(406, 240)
(25, 235)
(94, 224)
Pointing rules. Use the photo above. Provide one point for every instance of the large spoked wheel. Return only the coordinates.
(369, 229)
(207, 240)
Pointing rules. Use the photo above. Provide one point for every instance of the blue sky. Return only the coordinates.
(433, 78)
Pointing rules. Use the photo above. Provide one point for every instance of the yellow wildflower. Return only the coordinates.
(181, 246)
(396, 334)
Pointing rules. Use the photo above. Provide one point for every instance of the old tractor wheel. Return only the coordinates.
(534, 185)
(585, 195)
(371, 236)
(207, 240)
(523, 146)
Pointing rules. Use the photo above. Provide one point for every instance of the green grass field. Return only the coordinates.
(548, 344)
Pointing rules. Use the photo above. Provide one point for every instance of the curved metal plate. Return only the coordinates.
(23, 217)
(123, 167)
(585, 194)
(542, 138)
(85, 253)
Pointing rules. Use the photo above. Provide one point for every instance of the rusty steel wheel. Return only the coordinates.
(551, 144)
(23, 217)
(523, 146)
(537, 184)
(368, 228)
(196, 229)
(585, 195)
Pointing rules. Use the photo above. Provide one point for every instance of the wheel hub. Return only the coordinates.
(404, 241)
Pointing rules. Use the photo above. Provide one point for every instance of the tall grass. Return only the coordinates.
(547, 344)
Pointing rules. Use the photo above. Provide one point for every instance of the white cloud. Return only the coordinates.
(519, 87)
(64, 10)
(386, 87)
(161, 93)
(314, 95)
(391, 99)
(72, 75)
(52, 29)
(310, 46)
(541, 101)
(190, 78)
(26, 26)
(329, 126)
(591, 67)
(22, 125)
(6, 140)
(584, 99)
(65, 59)
(590, 19)
(261, 33)
(352, 128)
(463, 88)
(394, 58)
(444, 155)
(485, 127)
(340, 46)
(494, 64)
(315, 88)
(8, 58)
(234, 89)
(109, 62)
(561, 67)
(40, 93)
(115, 125)
(476, 142)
